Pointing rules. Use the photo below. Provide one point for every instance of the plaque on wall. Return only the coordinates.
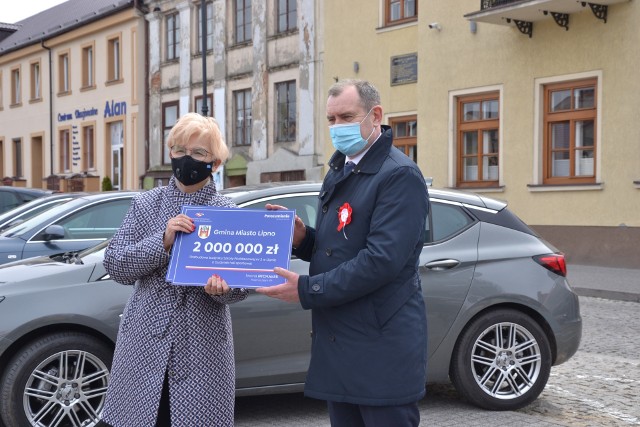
(404, 69)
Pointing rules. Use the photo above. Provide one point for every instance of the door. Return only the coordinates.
(117, 142)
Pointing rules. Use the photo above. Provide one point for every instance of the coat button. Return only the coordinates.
(315, 287)
(328, 251)
(325, 209)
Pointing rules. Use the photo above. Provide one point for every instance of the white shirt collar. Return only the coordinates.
(359, 157)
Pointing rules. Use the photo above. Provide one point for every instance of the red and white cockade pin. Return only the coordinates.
(344, 217)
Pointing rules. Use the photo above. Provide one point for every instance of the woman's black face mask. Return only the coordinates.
(189, 171)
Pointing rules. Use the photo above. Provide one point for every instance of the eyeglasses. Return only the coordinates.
(199, 154)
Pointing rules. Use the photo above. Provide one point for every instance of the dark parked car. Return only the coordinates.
(11, 197)
(35, 207)
(72, 226)
(500, 314)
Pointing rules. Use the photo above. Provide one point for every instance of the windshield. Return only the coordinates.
(29, 210)
(45, 216)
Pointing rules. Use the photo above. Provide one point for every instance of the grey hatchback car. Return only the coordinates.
(500, 315)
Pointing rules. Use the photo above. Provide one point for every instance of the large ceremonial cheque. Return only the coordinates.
(240, 245)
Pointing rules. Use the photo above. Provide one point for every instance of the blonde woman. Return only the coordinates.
(173, 364)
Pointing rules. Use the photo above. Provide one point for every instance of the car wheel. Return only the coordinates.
(501, 361)
(56, 380)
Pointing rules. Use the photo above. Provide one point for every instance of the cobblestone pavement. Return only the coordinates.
(599, 386)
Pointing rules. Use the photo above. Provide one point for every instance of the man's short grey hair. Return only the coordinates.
(369, 95)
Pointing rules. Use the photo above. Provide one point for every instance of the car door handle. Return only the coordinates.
(442, 264)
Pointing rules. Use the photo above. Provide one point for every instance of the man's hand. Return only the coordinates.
(288, 291)
(299, 229)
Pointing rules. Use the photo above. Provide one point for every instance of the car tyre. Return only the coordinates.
(57, 379)
(501, 361)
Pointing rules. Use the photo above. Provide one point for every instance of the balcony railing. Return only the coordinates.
(488, 4)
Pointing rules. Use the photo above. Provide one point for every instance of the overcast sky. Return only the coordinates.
(12, 11)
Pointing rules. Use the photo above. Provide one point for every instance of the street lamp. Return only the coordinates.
(203, 36)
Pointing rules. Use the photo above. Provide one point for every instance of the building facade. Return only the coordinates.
(72, 97)
(528, 101)
(261, 61)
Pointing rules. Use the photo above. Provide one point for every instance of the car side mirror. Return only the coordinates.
(53, 232)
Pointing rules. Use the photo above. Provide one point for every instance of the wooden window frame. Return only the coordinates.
(283, 120)
(242, 33)
(1, 97)
(88, 67)
(16, 86)
(89, 147)
(18, 157)
(64, 146)
(407, 144)
(387, 13)
(167, 128)
(172, 51)
(209, 104)
(571, 115)
(114, 59)
(244, 139)
(283, 176)
(290, 16)
(479, 125)
(35, 81)
(64, 73)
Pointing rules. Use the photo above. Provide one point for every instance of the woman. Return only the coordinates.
(173, 364)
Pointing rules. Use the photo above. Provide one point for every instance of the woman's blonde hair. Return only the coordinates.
(195, 125)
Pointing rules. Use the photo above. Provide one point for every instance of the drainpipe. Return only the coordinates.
(50, 107)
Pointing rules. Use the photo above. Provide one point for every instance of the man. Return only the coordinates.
(369, 338)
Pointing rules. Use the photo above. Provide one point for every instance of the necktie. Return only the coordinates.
(348, 167)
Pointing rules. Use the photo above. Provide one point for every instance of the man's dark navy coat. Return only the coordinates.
(369, 340)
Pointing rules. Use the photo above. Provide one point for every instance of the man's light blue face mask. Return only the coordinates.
(347, 138)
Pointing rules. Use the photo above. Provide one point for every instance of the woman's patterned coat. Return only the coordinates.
(182, 331)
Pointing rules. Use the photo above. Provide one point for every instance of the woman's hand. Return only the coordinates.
(299, 229)
(217, 286)
(178, 223)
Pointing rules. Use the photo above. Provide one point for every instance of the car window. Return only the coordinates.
(8, 201)
(20, 218)
(446, 221)
(306, 206)
(99, 221)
